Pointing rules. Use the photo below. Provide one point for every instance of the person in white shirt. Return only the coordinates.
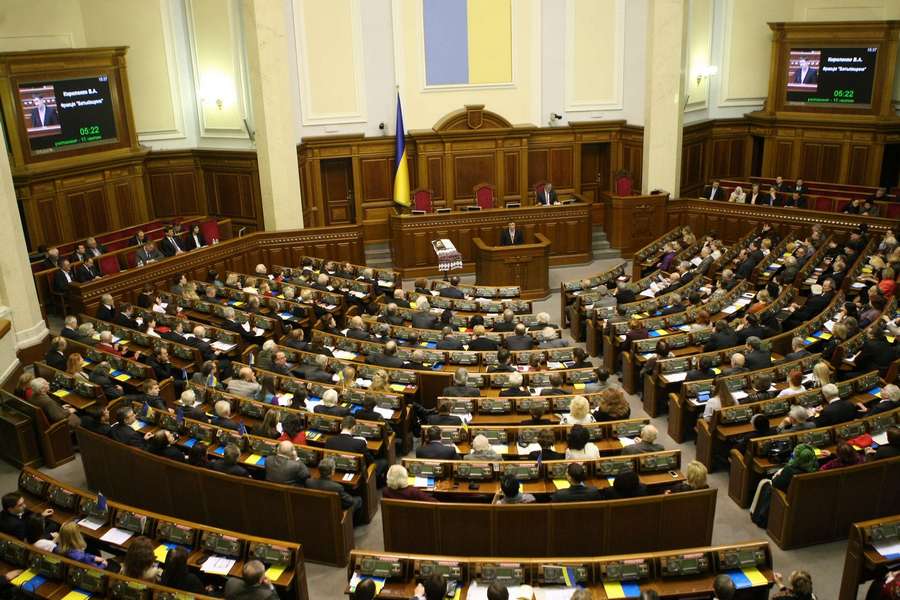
(722, 399)
(579, 444)
(795, 385)
(738, 195)
(579, 412)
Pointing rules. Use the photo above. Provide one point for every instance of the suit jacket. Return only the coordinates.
(625, 296)
(758, 359)
(514, 392)
(281, 469)
(68, 332)
(169, 246)
(505, 240)
(752, 331)
(839, 411)
(85, 273)
(126, 321)
(145, 257)
(384, 360)
(699, 375)
(193, 241)
(222, 467)
(577, 493)
(460, 391)
(13, 525)
(718, 195)
(556, 343)
(205, 348)
(424, 320)
(105, 313)
(448, 420)
(875, 354)
(54, 410)
(50, 117)
(334, 411)
(813, 306)
(56, 359)
(542, 199)
(483, 344)
(358, 334)
(237, 589)
(812, 76)
(451, 292)
(327, 485)
(226, 423)
(720, 341)
(61, 281)
(449, 344)
(348, 443)
(436, 450)
(126, 435)
(519, 342)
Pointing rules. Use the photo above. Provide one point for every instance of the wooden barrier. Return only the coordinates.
(863, 561)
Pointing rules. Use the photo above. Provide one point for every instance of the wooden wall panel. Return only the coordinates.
(783, 153)
(162, 193)
(632, 161)
(859, 164)
(538, 166)
(377, 181)
(562, 167)
(231, 182)
(435, 166)
(511, 175)
(470, 170)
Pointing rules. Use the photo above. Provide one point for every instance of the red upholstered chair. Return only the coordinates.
(821, 204)
(891, 210)
(130, 259)
(839, 204)
(422, 199)
(117, 245)
(484, 195)
(624, 186)
(539, 187)
(210, 231)
(109, 264)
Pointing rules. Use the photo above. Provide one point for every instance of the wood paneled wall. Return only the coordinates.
(718, 148)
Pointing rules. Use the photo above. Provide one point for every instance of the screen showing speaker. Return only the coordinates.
(841, 77)
(68, 113)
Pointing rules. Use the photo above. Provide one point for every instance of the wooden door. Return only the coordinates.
(337, 191)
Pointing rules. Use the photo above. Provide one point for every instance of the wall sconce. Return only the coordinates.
(706, 72)
(216, 88)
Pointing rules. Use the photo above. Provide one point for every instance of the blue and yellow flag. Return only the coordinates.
(401, 168)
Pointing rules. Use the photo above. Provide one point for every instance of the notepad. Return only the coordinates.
(161, 551)
(745, 578)
(117, 536)
(92, 523)
(621, 589)
(77, 595)
(578, 386)
(23, 577)
(275, 571)
(889, 549)
(397, 387)
(251, 460)
(218, 565)
(122, 377)
(561, 484)
(61, 393)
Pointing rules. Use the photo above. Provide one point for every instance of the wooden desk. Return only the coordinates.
(568, 227)
(634, 221)
(524, 265)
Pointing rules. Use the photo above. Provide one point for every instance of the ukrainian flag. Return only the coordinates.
(401, 168)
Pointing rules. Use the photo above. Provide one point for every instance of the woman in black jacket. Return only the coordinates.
(176, 574)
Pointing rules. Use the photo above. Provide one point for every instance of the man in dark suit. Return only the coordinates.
(12, 519)
(623, 294)
(51, 260)
(125, 318)
(79, 254)
(448, 342)
(796, 200)
(876, 354)
(93, 248)
(54, 411)
(325, 483)
(837, 410)
(223, 416)
(163, 444)
(229, 463)
(285, 467)
(121, 430)
(703, 371)
(443, 417)
(818, 299)
(70, 328)
(86, 271)
(511, 236)
(521, 340)
(252, 585)
(752, 328)
(422, 318)
(43, 115)
(555, 389)
(503, 363)
(546, 196)
(357, 329)
(577, 490)
(515, 388)
(452, 290)
(757, 357)
(480, 342)
(714, 192)
(345, 441)
(148, 253)
(63, 277)
(461, 387)
(388, 357)
(169, 245)
(507, 323)
(433, 448)
(723, 337)
(805, 74)
(107, 309)
(56, 356)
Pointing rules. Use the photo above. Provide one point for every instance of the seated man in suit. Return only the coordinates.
(645, 443)
(107, 309)
(515, 388)
(433, 447)
(503, 362)
(416, 361)
(520, 340)
(549, 339)
(125, 317)
(391, 315)
(443, 417)
(547, 196)
(714, 192)
(625, 485)
(51, 260)
(56, 356)
(448, 341)
(838, 410)
(63, 277)
(506, 323)
(703, 370)
(511, 236)
(280, 364)
(229, 463)
(79, 254)
(388, 357)
(163, 444)
(148, 253)
(252, 585)
(347, 442)
(14, 515)
(452, 290)
(461, 387)
(319, 372)
(169, 245)
(223, 416)
(757, 356)
(577, 490)
(357, 329)
(245, 384)
(70, 329)
(330, 405)
(190, 407)
(555, 389)
(93, 248)
(481, 342)
(723, 337)
(122, 430)
(285, 467)
(422, 318)
(325, 483)
(40, 397)
(296, 339)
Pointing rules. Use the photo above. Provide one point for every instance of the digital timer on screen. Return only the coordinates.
(63, 114)
(831, 76)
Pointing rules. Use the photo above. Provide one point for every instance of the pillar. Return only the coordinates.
(664, 106)
(274, 113)
(17, 291)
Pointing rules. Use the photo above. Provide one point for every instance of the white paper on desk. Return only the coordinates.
(676, 377)
(649, 293)
(851, 359)
(528, 449)
(218, 565)
(881, 438)
(729, 309)
(741, 302)
(385, 284)
(829, 324)
(358, 294)
(258, 331)
(626, 441)
(91, 523)
(500, 448)
(696, 261)
(312, 404)
(246, 326)
(284, 399)
(537, 391)
(420, 482)
(117, 536)
(553, 593)
(554, 365)
(516, 592)
(329, 306)
(466, 417)
(223, 347)
(887, 548)
(344, 354)
(387, 413)
(739, 395)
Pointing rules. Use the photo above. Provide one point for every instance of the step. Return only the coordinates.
(600, 245)
(604, 254)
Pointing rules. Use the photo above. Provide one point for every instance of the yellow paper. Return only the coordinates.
(275, 571)
(825, 335)
(24, 577)
(561, 484)
(662, 332)
(578, 386)
(613, 589)
(818, 452)
(76, 595)
(251, 460)
(61, 393)
(462, 329)
(890, 338)
(458, 593)
(398, 387)
(123, 377)
(160, 552)
(411, 481)
(811, 339)
(756, 578)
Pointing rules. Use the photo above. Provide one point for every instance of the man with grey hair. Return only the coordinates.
(285, 467)
(357, 329)
(507, 323)
(422, 318)
(645, 443)
(796, 419)
(321, 283)
(461, 387)
(253, 584)
(798, 350)
(400, 298)
(515, 386)
(70, 328)
(837, 410)
(543, 320)
(387, 358)
(107, 309)
(391, 315)
(244, 384)
(325, 483)
(520, 340)
(604, 298)
(757, 356)
(549, 339)
(41, 398)
(737, 365)
(416, 361)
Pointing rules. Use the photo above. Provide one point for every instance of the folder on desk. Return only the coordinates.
(745, 578)
(621, 589)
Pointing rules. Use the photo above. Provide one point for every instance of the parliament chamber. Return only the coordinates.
(455, 299)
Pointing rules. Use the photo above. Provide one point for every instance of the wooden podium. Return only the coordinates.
(524, 265)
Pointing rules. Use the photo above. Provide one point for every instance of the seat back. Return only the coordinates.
(839, 204)
(624, 186)
(539, 187)
(821, 203)
(210, 230)
(422, 199)
(892, 210)
(484, 195)
(109, 263)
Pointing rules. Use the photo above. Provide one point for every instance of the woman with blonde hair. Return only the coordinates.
(613, 406)
(738, 195)
(71, 544)
(380, 382)
(232, 280)
(23, 385)
(822, 374)
(398, 486)
(763, 299)
(695, 478)
(723, 399)
(74, 365)
(347, 377)
(189, 291)
(579, 412)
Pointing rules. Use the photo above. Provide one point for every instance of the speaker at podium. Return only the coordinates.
(525, 264)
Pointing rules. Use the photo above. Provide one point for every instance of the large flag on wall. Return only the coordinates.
(401, 168)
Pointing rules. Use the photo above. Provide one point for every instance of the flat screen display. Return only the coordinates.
(67, 114)
(831, 76)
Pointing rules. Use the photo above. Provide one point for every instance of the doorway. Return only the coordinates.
(337, 191)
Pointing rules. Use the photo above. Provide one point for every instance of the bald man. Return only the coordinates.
(285, 467)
